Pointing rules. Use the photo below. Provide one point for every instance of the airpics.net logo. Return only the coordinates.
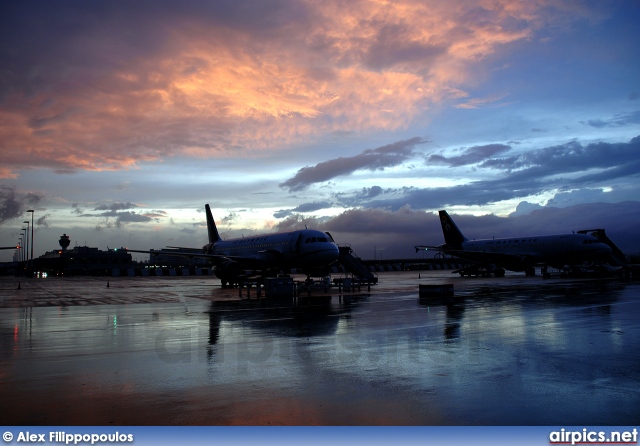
(585, 436)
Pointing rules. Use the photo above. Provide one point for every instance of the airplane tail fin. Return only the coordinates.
(212, 231)
(452, 235)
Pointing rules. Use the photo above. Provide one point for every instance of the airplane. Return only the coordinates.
(306, 249)
(519, 253)
(10, 247)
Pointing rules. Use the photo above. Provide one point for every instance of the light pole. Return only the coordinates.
(20, 248)
(22, 233)
(31, 210)
(27, 240)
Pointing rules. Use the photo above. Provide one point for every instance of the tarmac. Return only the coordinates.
(183, 351)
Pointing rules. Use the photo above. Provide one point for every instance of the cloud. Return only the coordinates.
(156, 215)
(106, 86)
(372, 159)
(363, 195)
(390, 48)
(14, 205)
(305, 207)
(562, 167)
(525, 208)
(77, 209)
(42, 222)
(576, 197)
(573, 157)
(115, 211)
(132, 217)
(619, 120)
(115, 207)
(492, 101)
(392, 234)
(471, 155)
(233, 216)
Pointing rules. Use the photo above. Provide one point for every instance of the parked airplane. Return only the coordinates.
(306, 249)
(520, 253)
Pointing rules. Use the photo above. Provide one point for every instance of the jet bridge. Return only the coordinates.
(617, 256)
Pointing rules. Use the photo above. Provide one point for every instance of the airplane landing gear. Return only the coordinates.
(530, 272)
(545, 272)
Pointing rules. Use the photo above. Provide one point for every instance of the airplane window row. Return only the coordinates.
(264, 245)
(250, 240)
(514, 241)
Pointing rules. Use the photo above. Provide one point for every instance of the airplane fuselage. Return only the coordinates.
(554, 250)
(307, 249)
(521, 253)
(301, 248)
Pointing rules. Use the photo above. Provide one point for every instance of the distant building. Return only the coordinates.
(82, 260)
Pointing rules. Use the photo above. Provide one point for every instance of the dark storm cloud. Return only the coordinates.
(77, 209)
(233, 216)
(569, 158)
(372, 159)
(392, 234)
(472, 155)
(378, 221)
(312, 207)
(157, 215)
(122, 217)
(620, 120)
(10, 206)
(14, 205)
(42, 221)
(562, 167)
(305, 207)
(115, 206)
(118, 211)
(361, 196)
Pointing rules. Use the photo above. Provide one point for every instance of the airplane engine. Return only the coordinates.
(227, 271)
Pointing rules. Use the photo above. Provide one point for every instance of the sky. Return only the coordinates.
(119, 120)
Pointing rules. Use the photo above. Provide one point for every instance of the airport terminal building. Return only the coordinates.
(82, 260)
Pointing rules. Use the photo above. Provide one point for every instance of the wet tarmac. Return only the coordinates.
(183, 351)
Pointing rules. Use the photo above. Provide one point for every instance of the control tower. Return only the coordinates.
(64, 242)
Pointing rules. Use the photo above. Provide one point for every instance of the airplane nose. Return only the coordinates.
(332, 253)
(605, 249)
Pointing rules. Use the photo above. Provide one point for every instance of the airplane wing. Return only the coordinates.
(9, 247)
(497, 258)
(429, 248)
(253, 261)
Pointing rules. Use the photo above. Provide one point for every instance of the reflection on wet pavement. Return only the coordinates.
(147, 351)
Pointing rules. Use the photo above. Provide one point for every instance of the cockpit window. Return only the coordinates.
(316, 240)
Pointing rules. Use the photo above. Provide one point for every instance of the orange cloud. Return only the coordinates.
(211, 88)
